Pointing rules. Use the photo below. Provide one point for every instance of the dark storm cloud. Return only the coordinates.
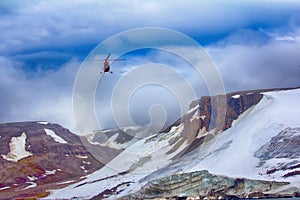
(43, 25)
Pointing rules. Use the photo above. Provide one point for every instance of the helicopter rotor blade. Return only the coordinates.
(107, 56)
(118, 59)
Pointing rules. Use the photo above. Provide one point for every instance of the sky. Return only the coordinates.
(254, 44)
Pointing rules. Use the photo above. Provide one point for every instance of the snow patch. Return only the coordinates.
(82, 157)
(131, 128)
(178, 128)
(32, 185)
(32, 178)
(111, 142)
(236, 96)
(202, 132)
(65, 182)
(193, 109)
(5, 188)
(82, 167)
(44, 123)
(195, 116)
(202, 117)
(48, 172)
(55, 137)
(17, 149)
(87, 163)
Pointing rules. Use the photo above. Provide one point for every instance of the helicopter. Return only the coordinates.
(106, 65)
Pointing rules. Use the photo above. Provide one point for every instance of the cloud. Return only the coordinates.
(44, 25)
(47, 95)
(157, 77)
(259, 65)
(44, 95)
(254, 45)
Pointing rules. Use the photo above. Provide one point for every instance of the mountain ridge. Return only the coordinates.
(229, 153)
(189, 145)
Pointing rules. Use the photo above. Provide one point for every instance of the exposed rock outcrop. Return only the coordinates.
(201, 184)
(282, 147)
(212, 115)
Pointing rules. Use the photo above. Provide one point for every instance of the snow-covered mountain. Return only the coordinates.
(254, 153)
(118, 138)
(38, 156)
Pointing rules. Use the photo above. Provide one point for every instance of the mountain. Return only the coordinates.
(36, 157)
(251, 151)
(118, 138)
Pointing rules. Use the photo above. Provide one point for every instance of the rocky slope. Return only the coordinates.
(202, 184)
(38, 156)
(281, 155)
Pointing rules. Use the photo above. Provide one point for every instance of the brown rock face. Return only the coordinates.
(49, 162)
(211, 107)
(236, 106)
(211, 115)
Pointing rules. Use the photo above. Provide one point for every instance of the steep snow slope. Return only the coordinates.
(234, 150)
(137, 161)
(237, 152)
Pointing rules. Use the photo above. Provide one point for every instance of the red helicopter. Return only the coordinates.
(106, 65)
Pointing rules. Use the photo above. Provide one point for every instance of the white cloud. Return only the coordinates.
(268, 65)
(136, 74)
(43, 96)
